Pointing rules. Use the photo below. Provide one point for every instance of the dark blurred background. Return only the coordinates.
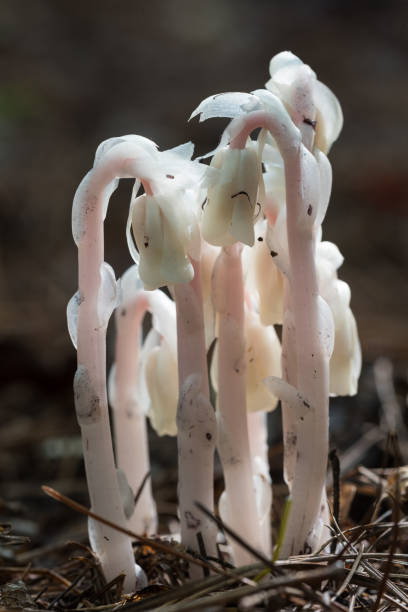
(74, 73)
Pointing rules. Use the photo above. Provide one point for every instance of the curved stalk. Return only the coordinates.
(311, 360)
(112, 548)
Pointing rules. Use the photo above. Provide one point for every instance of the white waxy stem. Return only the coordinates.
(258, 444)
(239, 509)
(263, 353)
(289, 374)
(232, 197)
(129, 420)
(143, 382)
(122, 158)
(307, 189)
(195, 419)
(312, 361)
(196, 435)
(312, 353)
(262, 358)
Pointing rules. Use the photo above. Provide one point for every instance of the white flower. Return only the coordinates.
(232, 197)
(209, 254)
(164, 227)
(162, 385)
(288, 76)
(263, 276)
(164, 219)
(262, 359)
(263, 356)
(345, 362)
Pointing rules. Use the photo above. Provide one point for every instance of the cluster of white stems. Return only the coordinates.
(238, 244)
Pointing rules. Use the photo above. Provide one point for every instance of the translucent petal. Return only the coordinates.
(72, 317)
(107, 295)
(129, 238)
(185, 150)
(329, 117)
(282, 60)
(275, 191)
(176, 170)
(325, 183)
(277, 242)
(288, 394)
(163, 310)
(130, 284)
(263, 355)
(229, 213)
(148, 232)
(345, 365)
(152, 339)
(331, 253)
(174, 207)
(209, 255)
(162, 383)
(193, 246)
(271, 155)
(175, 265)
(326, 326)
(228, 104)
(265, 277)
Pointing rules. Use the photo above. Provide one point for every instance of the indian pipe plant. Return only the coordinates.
(238, 245)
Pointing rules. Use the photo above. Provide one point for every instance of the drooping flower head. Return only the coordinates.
(320, 110)
(164, 219)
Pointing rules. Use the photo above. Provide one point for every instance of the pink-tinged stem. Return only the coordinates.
(195, 418)
(233, 439)
(311, 361)
(312, 375)
(132, 452)
(112, 548)
(289, 374)
(258, 444)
